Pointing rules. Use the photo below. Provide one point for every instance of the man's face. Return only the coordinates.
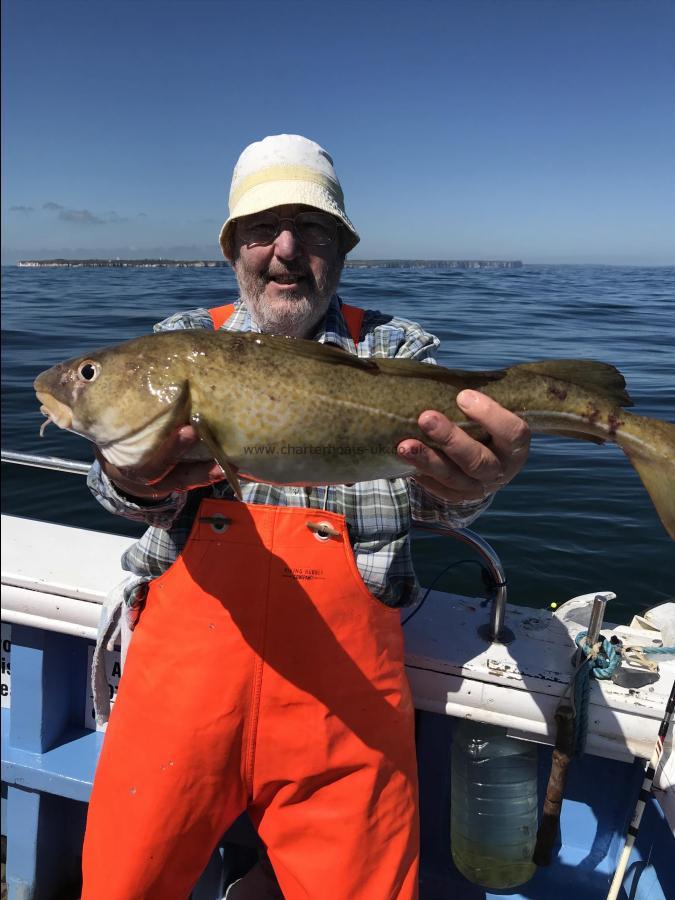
(286, 284)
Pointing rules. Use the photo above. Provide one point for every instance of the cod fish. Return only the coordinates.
(295, 412)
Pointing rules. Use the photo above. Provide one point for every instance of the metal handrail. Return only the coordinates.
(494, 632)
(45, 462)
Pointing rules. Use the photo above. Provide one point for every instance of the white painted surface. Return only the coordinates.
(56, 577)
(56, 559)
(113, 671)
(50, 611)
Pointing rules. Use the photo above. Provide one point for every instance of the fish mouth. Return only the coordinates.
(54, 410)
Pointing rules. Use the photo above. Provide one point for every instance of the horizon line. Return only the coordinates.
(372, 259)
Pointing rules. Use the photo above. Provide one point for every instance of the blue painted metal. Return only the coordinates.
(49, 758)
(40, 683)
(43, 844)
(44, 744)
(23, 812)
(48, 765)
(3, 817)
(67, 769)
(48, 761)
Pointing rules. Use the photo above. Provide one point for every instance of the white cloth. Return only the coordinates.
(113, 625)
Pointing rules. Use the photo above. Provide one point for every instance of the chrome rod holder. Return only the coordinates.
(595, 621)
(597, 616)
(495, 632)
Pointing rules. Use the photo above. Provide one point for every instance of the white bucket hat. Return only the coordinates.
(282, 169)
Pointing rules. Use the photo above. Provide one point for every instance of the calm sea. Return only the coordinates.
(575, 520)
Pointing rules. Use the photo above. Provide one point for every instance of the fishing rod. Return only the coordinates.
(645, 791)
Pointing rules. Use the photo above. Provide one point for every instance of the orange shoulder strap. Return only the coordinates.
(353, 316)
(220, 314)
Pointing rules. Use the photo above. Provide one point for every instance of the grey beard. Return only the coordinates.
(300, 315)
(296, 320)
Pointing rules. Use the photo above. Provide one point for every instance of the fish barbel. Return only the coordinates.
(290, 411)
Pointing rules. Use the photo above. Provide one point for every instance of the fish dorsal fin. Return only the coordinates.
(585, 373)
(588, 374)
(404, 368)
(459, 378)
(311, 350)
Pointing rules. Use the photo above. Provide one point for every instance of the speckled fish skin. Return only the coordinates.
(290, 411)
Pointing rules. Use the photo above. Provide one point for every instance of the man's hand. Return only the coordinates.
(166, 471)
(466, 469)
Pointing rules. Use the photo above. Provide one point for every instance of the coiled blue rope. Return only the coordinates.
(601, 665)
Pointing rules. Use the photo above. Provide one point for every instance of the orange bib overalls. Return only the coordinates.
(262, 676)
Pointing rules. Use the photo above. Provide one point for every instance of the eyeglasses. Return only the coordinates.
(312, 228)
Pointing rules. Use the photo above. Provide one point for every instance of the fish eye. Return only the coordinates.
(88, 370)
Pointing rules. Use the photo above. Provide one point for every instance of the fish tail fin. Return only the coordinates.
(650, 446)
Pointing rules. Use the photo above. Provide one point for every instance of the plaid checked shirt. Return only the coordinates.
(378, 513)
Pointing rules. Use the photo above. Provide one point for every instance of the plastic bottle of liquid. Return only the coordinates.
(493, 810)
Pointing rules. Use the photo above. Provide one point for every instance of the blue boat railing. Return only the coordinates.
(46, 462)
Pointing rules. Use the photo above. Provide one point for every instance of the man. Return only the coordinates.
(266, 668)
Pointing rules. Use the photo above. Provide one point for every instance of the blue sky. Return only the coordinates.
(542, 130)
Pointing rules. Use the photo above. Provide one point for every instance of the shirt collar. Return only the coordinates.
(332, 330)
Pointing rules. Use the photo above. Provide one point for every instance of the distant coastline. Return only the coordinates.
(215, 264)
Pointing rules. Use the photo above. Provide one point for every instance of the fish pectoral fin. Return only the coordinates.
(590, 374)
(231, 475)
(219, 455)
